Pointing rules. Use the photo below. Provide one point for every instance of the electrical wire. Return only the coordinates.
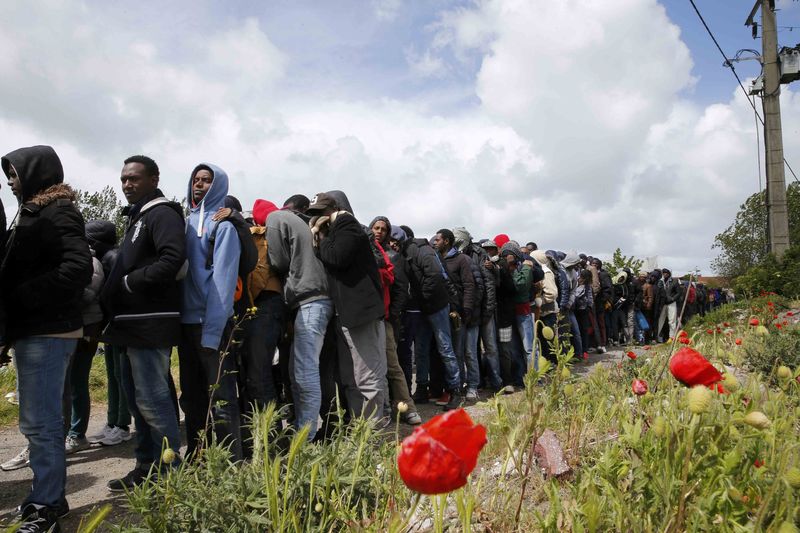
(729, 64)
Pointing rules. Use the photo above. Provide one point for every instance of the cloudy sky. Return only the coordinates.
(581, 124)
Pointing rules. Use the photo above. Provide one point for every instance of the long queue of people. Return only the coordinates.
(301, 305)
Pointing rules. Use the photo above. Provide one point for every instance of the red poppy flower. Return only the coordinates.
(778, 326)
(639, 387)
(685, 340)
(683, 334)
(691, 368)
(710, 331)
(774, 316)
(758, 463)
(646, 347)
(770, 304)
(738, 342)
(785, 322)
(726, 324)
(754, 322)
(719, 330)
(789, 313)
(440, 454)
(631, 355)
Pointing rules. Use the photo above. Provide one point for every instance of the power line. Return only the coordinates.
(729, 64)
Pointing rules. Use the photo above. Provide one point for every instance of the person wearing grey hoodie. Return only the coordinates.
(305, 291)
(572, 265)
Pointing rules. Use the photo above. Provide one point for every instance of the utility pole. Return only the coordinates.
(777, 213)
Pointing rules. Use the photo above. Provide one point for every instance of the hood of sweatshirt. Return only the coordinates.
(200, 214)
(38, 168)
(342, 203)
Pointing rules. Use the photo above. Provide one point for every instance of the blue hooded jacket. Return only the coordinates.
(208, 292)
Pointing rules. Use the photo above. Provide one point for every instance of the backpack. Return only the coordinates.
(248, 258)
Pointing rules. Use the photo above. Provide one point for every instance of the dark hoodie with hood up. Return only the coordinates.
(47, 262)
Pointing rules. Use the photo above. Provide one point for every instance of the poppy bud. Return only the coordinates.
(754, 321)
(757, 419)
(730, 382)
(659, 426)
(569, 389)
(439, 455)
(787, 527)
(793, 477)
(762, 330)
(318, 508)
(784, 372)
(639, 387)
(699, 399)
(402, 407)
(547, 333)
(565, 373)
(631, 355)
(168, 456)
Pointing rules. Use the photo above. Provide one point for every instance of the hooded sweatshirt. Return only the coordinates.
(47, 262)
(208, 292)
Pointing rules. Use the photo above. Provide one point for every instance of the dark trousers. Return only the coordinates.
(585, 317)
(548, 351)
(600, 319)
(408, 333)
(200, 370)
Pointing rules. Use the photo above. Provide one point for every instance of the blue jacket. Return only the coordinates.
(208, 292)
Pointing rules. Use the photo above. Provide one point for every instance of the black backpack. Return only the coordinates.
(248, 258)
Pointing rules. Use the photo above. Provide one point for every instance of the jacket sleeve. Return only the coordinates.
(522, 279)
(168, 232)
(467, 283)
(74, 270)
(92, 291)
(277, 247)
(340, 247)
(399, 290)
(563, 289)
(219, 303)
(490, 286)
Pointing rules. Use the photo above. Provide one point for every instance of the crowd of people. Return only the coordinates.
(300, 305)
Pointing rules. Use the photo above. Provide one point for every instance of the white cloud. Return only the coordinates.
(581, 137)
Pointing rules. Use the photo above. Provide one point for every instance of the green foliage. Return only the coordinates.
(781, 276)
(765, 353)
(619, 261)
(744, 243)
(102, 205)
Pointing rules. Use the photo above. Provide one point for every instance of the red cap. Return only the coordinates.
(501, 239)
(261, 210)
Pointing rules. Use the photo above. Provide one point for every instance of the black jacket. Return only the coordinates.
(606, 289)
(459, 269)
(506, 293)
(47, 262)
(425, 276)
(400, 289)
(141, 295)
(353, 281)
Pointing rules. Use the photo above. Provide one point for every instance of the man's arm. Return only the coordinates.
(278, 248)
(219, 302)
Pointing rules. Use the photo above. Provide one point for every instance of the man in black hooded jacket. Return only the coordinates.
(46, 265)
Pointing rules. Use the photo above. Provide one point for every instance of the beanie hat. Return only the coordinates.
(501, 239)
(462, 238)
(261, 210)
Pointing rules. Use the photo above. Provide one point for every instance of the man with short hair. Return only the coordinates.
(667, 294)
(142, 298)
(45, 267)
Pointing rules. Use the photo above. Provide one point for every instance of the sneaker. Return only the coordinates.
(508, 389)
(105, 432)
(585, 356)
(39, 519)
(472, 395)
(21, 460)
(62, 509)
(422, 394)
(125, 434)
(456, 401)
(444, 399)
(112, 439)
(74, 444)
(412, 418)
(601, 349)
(131, 480)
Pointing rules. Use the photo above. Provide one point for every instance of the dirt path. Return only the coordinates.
(89, 471)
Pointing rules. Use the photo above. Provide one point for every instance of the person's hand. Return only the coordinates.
(222, 213)
(488, 265)
(319, 228)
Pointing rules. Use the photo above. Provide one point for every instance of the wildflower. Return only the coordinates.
(778, 326)
(775, 316)
(758, 463)
(402, 407)
(770, 304)
(754, 321)
(439, 455)
(585, 356)
(726, 324)
(168, 456)
(646, 347)
(757, 419)
(710, 331)
(631, 355)
(738, 342)
(719, 330)
(547, 333)
(699, 399)
(785, 322)
(685, 340)
(691, 368)
(683, 334)
(789, 313)
(639, 387)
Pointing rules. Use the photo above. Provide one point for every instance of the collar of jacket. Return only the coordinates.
(337, 213)
(59, 191)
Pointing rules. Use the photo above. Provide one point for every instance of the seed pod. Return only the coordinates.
(730, 382)
(787, 527)
(757, 419)
(318, 507)
(699, 399)
(659, 426)
(569, 389)
(793, 477)
(168, 456)
(762, 330)
(547, 333)
(784, 372)
(565, 373)
(732, 459)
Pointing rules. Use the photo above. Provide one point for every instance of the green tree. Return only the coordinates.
(102, 205)
(744, 243)
(619, 261)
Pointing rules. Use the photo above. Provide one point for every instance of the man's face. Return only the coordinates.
(596, 265)
(13, 182)
(380, 230)
(201, 183)
(394, 245)
(665, 275)
(136, 183)
(440, 243)
(524, 250)
(491, 251)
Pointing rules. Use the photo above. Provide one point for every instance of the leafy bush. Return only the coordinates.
(773, 275)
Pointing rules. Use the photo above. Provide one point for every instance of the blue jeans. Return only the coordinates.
(575, 330)
(491, 357)
(470, 335)
(437, 326)
(41, 370)
(309, 334)
(146, 384)
(525, 325)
